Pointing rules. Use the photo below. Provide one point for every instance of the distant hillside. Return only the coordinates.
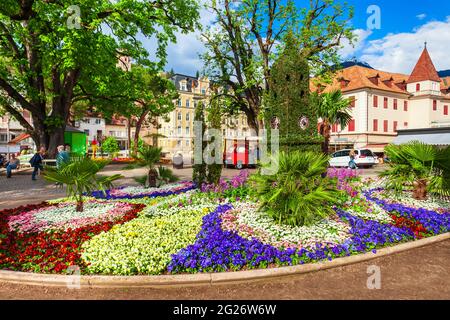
(351, 63)
(444, 73)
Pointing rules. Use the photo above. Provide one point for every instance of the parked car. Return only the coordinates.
(363, 158)
(239, 156)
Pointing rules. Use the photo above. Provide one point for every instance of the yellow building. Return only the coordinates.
(178, 132)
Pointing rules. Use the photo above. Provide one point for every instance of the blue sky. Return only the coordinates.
(395, 47)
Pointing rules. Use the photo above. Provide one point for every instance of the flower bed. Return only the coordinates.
(143, 245)
(63, 216)
(217, 249)
(141, 192)
(49, 251)
(178, 229)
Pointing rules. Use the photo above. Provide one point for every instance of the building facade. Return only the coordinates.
(178, 132)
(384, 102)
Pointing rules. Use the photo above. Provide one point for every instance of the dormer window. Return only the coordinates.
(374, 79)
(402, 85)
(388, 82)
(344, 82)
(183, 85)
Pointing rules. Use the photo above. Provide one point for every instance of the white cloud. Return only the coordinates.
(400, 52)
(348, 51)
(421, 16)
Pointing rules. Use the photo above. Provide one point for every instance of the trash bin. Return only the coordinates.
(177, 161)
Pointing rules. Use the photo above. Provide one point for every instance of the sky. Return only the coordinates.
(395, 46)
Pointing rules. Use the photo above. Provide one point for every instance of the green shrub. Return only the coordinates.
(110, 146)
(299, 193)
(418, 166)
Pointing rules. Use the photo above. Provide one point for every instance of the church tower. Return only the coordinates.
(424, 79)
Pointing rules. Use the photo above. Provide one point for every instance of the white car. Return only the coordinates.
(363, 158)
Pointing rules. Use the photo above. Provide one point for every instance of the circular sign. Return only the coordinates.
(303, 122)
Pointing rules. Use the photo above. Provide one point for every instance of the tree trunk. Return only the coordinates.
(56, 139)
(420, 189)
(80, 206)
(151, 179)
(325, 131)
(138, 130)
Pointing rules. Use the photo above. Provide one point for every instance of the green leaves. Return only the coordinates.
(297, 194)
(80, 176)
(416, 161)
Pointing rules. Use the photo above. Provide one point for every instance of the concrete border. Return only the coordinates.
(185, 280)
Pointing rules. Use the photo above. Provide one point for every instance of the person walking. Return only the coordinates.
(62, 156)
(352, 163)
(14, 163)
(36, 162)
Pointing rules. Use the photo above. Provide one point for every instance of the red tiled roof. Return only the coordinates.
(424, 69)
(358, 77)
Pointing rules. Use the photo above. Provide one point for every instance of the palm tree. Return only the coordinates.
(297, 194)
(422, 167)
(332, 108)
(149, 156)
(79, 175)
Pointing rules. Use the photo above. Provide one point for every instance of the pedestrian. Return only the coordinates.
(2, 160)
(14, 163)
(62, 157)
(36, 162)
(352, 163)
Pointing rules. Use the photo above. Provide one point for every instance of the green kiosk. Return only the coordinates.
(76, 139)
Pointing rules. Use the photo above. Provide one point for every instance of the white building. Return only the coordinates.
(384, 102)
(94, 127)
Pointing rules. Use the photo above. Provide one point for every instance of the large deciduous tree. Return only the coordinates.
(50, 57)
(244, 40)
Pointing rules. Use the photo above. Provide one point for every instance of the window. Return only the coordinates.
(86, 131)
(183, 85)
(179, 115)
(405, 106)
(395, 104)
(434, 105)
(352, 101)
(418, 87)
(178, 143)
(395, 126)
(405, 124)
(86, 120)
(187, 130)
(179, 130)
(98, 121)
(179, 102)
(351, 125)
(187, 143)
(334, 127)
(203, 91)
(375, 125)
(375, 101)
(385, 126)
(3, 138)
(187, 116)
(187, 103)
(445, 110)
(365, 153)
(386, 102)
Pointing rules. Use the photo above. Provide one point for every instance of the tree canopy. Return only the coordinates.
(54, 53)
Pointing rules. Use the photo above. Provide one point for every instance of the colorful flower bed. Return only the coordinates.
(141, 192)
(179, 229)
(49, 251)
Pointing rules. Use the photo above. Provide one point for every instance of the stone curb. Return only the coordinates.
(184, 280)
